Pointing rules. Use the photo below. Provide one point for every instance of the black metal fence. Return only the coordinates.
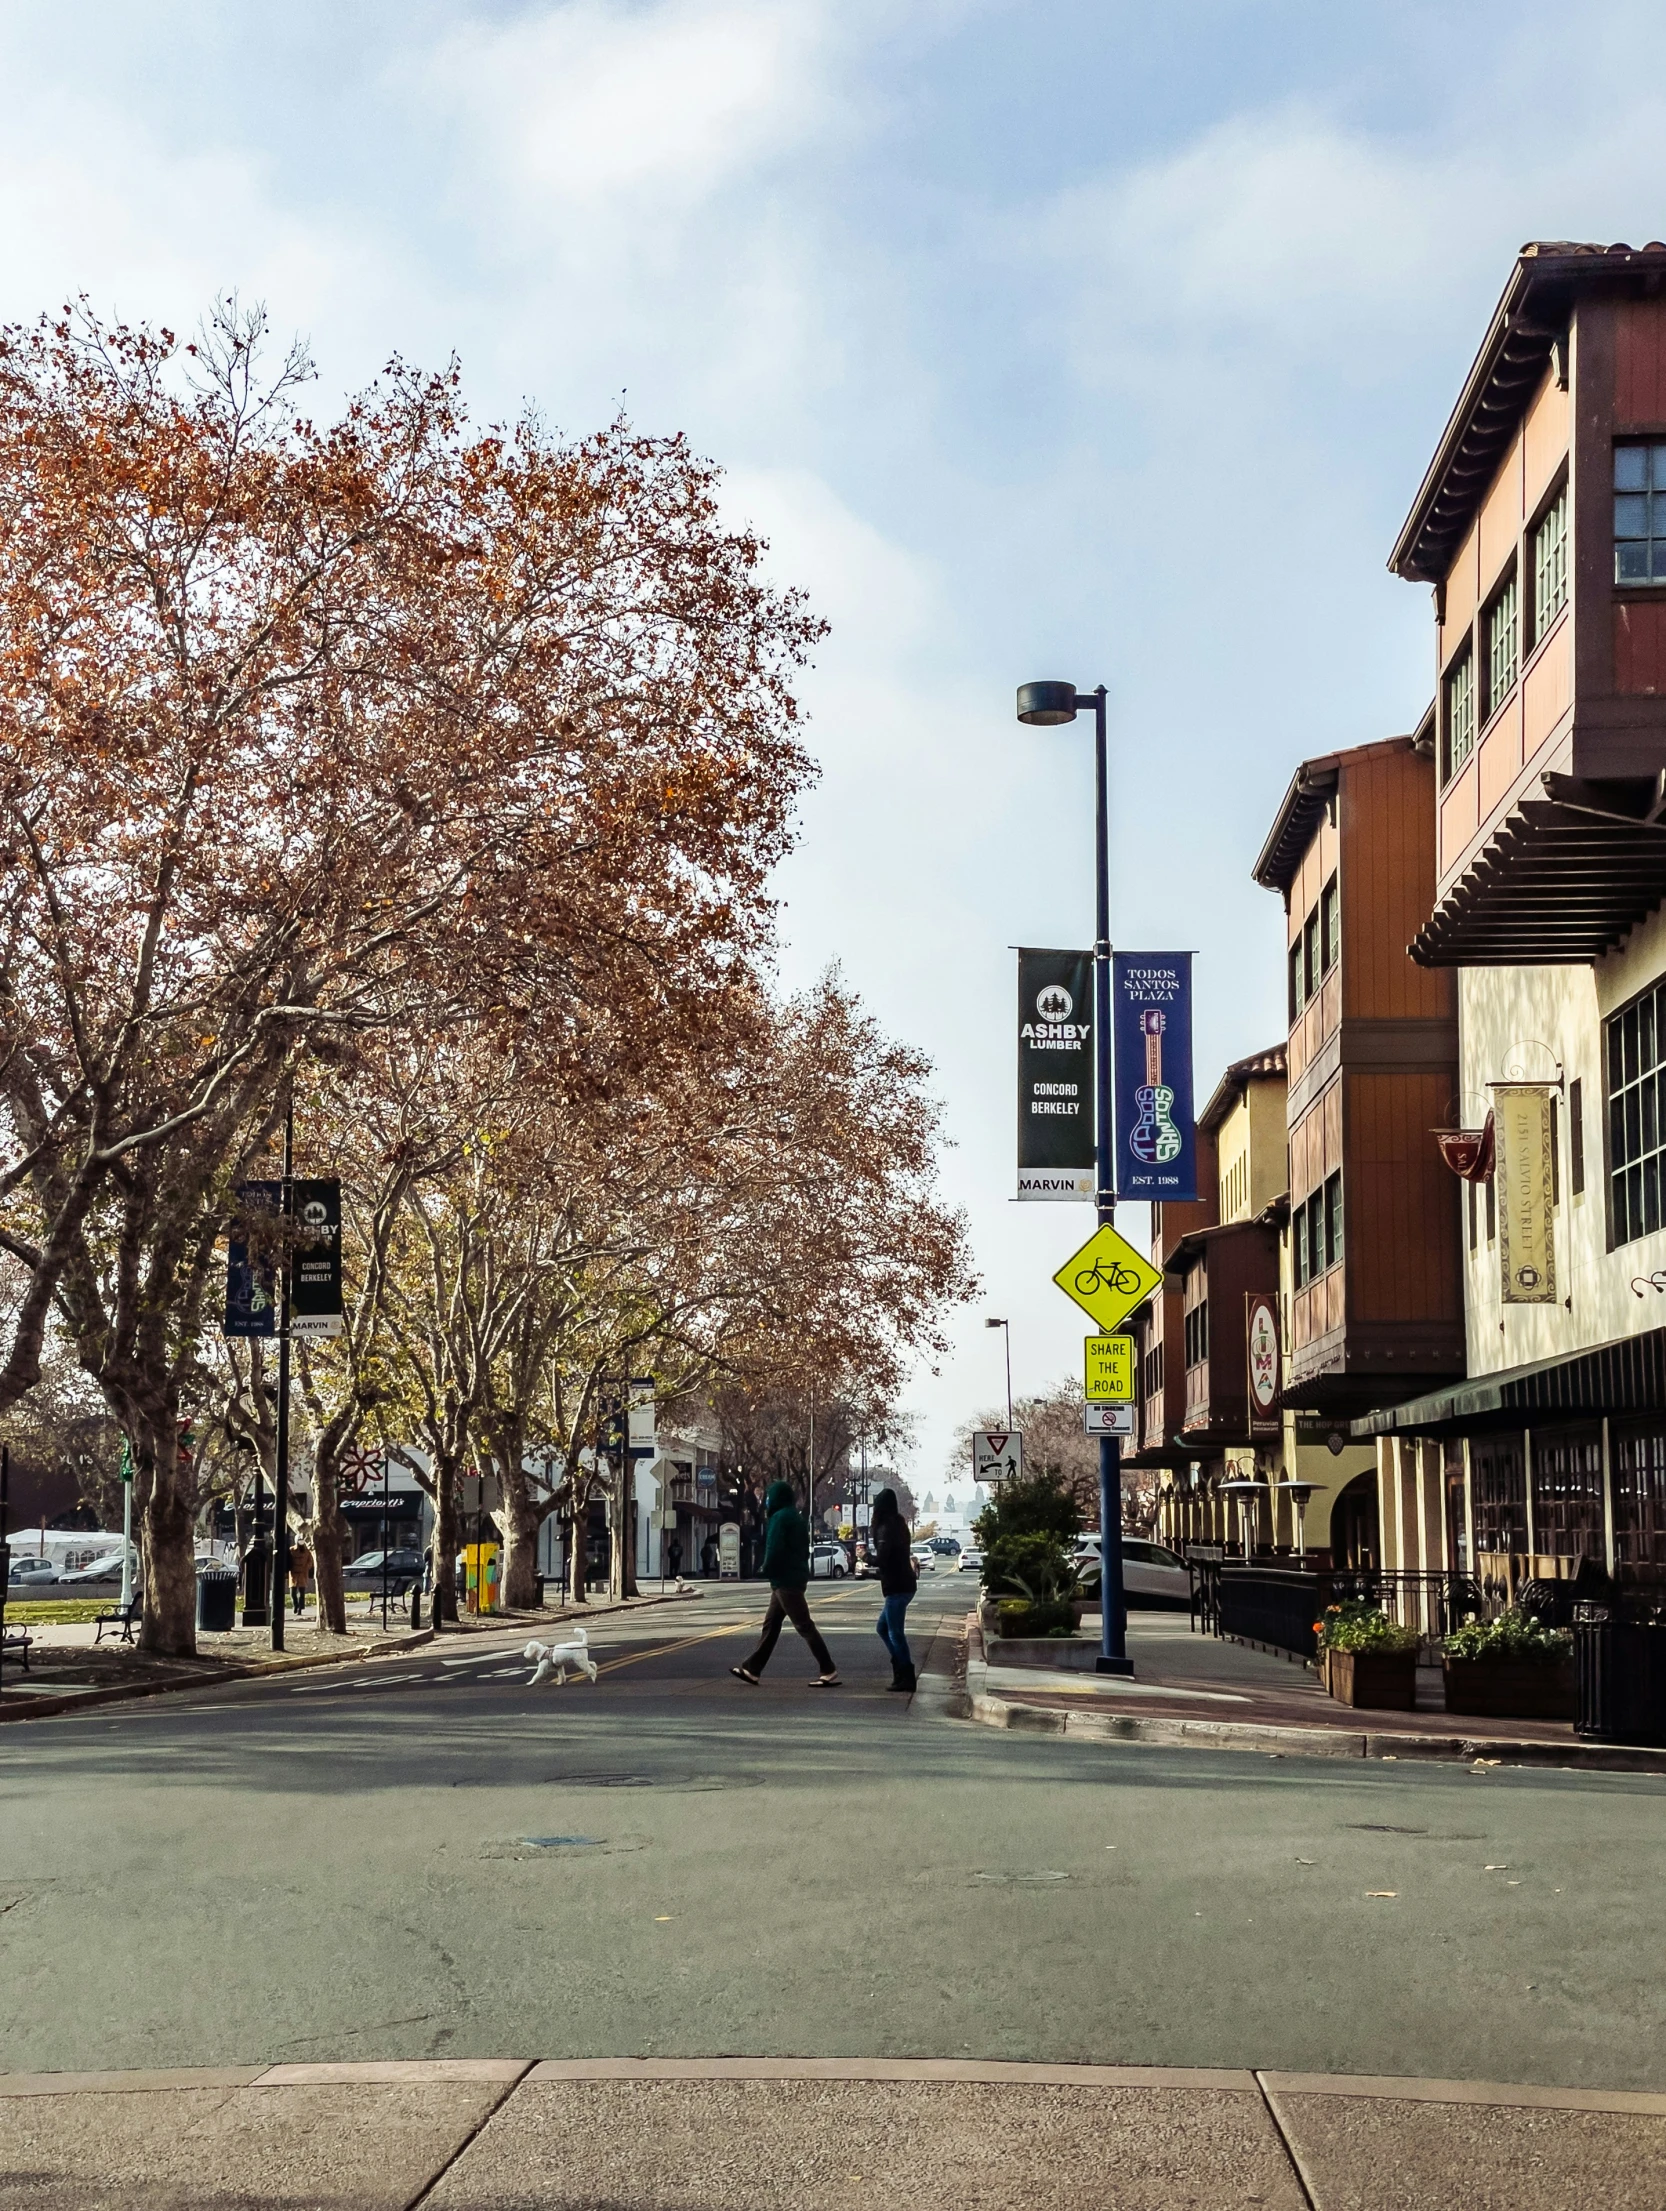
(1283, 1605)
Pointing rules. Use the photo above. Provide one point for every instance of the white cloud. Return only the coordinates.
(590, 103)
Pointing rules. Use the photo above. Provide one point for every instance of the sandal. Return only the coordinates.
(740, 1673)
(827, 1681)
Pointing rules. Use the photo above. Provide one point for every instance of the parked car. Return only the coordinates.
(946, 1546)
(1152, 1576)
(39, 1570)
(971, 1562)
(365, 1572)
(829, 1561)
(99, 1573)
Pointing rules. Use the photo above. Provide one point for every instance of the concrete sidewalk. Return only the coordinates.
(1201, 1692)
(738, 2134)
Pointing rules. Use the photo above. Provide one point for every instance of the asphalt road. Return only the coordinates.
(428, 1858)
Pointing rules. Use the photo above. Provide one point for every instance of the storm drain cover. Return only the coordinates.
(561, 1842)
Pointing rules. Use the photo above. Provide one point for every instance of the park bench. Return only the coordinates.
(15, 1639)
(126, 1617)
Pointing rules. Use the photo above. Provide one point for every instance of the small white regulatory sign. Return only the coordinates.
(1108, 1420)
(997, 1455)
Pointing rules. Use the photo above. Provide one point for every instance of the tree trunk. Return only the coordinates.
(578, 1548)
(326, 1545)
(627, 1527)
(522, 1522)
(166, 1550)
(445, 1542)
(619, 1529)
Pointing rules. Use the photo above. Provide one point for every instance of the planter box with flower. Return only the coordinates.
(1510, 1668)
(1028, 1573)
(1368, 1661)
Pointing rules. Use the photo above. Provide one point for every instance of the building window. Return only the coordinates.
(1298, 996)
(1567, 1493)
(1498, 1482)
(1550, 564)
(1333, 1220)
(1634, 1123)
(1460, 712)
(1503, 639)
(1640, 1500)
(1576, 1137)
(1330, 926)
(1197, 1334)
(1640, 513)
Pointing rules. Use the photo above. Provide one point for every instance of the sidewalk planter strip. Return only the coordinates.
(1506, 1689)
(1376, 1681)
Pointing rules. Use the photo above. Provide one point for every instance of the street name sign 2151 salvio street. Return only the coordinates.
(997, 1455)
(1107, 1278)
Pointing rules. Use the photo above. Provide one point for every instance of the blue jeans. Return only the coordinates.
(890, 1628)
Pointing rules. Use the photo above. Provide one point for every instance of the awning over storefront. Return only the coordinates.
(1622, 1377)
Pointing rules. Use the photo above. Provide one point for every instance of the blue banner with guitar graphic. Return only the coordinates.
(1151, 1029)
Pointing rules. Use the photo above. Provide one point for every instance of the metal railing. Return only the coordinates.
(1283, 1605)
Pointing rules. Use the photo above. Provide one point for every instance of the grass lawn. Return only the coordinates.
(54, 1611)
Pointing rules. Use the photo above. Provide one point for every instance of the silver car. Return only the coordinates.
(1151, 1574)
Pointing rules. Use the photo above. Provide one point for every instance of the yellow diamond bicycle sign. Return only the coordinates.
(1107, 1277)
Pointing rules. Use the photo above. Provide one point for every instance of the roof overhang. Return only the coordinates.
(1533, 313)
(1312, 788)
(1628, 1375)
(1558, 884)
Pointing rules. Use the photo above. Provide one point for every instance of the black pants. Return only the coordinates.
(788, 1604)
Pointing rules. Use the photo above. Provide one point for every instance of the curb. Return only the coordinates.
(510, 2073)
(981, 1704)
(128, 1692)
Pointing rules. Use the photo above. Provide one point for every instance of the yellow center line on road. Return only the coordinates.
(710, 1635)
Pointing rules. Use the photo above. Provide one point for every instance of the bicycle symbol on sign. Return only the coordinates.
(1107, 1275)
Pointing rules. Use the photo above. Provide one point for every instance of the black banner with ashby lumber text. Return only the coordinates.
(1055, 1076)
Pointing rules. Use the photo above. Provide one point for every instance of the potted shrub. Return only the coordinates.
(1510, 1668)
(1368, 1661)
(1028, 1571)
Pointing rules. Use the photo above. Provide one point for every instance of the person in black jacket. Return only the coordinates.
(897, 1583)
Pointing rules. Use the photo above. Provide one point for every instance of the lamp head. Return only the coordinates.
(1045, 705)
(994, 1324)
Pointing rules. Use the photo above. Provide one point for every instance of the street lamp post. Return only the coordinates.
(1006, 1328)
(1047, 706)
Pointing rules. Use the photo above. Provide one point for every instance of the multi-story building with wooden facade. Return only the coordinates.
(1196, 1416)
(1372, 1289)
(1541, 527)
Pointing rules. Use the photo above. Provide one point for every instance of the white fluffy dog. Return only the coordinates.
(555, 1658)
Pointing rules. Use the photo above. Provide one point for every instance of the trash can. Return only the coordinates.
(1620, 1656)
(216, 1602)
(538, 1589)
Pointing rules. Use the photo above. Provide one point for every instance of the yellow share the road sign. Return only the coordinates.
(1108, 1370)
(1107, 1278)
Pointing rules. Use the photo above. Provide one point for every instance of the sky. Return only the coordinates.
(1077, 338)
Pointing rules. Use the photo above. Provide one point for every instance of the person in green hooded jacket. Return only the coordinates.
(787, 1570)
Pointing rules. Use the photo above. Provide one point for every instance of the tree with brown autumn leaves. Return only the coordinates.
(311, 731)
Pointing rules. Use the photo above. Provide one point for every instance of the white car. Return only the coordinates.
(924, 1562)
(25, 1570)
(829, 1561)
(971, 1562)
(1151, 1574)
